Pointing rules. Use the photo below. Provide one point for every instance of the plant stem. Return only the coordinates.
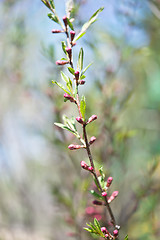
(95, 175)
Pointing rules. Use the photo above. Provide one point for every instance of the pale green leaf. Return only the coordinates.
(70, 24)
(64, 77)
(61, 86)
(52, 4)
(78, 36)
(80, 59)
(126, 238)
(83, 107)
(71, 70)
(96, 223)
(84, 70)
(64, 47)
(64, 127)
(96, 195)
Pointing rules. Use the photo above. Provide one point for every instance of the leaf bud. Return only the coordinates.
(76, 74)
(92, 140)
(56, 31)
(79, 119)
(104, 194)
(72, 34)
(61, 62)
(65, 21)
(92, 118)
(109, 181)
(75, 147)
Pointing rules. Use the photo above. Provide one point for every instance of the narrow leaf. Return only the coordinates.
(64, 127)
(84, 70)
(61, 86)
(64, 77)
(126, 238)
(80, 59)
(96, 223)
(46, 3)
(82, 77)
(87, 24)
(88, 229)
(71, 70)
(79, 36)
(53, 18)
(64, 47)
(96, 195)
(52, 4)
(70, 24)
(83, 106)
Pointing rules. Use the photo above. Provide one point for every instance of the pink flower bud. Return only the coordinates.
(84, 165)
(72, 33)
(96, 202)
(104, 194)
(113, 196)
(92, 118)
(69, 51)
(76, 75)
(75, 147)
(79, 119)
(67, 96)
(90, 168)
(56, 31)
(109, 181)
(104, 230)
(82, 82)
(115, 232)
(65, 21)
(92, 140)
(61, 62)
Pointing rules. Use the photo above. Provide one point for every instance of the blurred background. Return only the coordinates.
(43, 191)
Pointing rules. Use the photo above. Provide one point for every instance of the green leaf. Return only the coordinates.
(53, 18)
(52, 4)
(64, 47)
(88, 229)
(69, 86)
(96, 195)
(80, 59)
(71, 70)
(83, 107)
(70, 123)
(64, 127)
(70, 24)
(82, 77)
(46, 3)
(64, 77)
(78, 37)
(61, 86)
(126, 238)
(96, 223)
(87, 24)
(84, 70)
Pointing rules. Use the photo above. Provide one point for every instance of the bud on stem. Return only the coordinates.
(92, 118)
(75, 147)
(109, 181)
(69, 51)
(70, 98)
(72, 34)
(56, 31)
(92, 140)
(65, 21)
(61, 62)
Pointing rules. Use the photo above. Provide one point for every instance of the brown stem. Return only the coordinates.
(95, 175)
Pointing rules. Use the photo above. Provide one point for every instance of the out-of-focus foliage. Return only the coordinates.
(44, 192)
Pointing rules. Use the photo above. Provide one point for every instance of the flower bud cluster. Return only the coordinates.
(86, 167)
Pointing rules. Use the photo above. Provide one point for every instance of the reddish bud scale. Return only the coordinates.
(69, 51)
(90, 169)
(84, 165)
(56, 31)
(79, 119)
(109, 181)
(75, 147)
(72, 34)
(92, 118)
(92, 140)
(96, 202)
(65, 21)
(61, 62)
(76, 74)
(82, 82)
(67, 96)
